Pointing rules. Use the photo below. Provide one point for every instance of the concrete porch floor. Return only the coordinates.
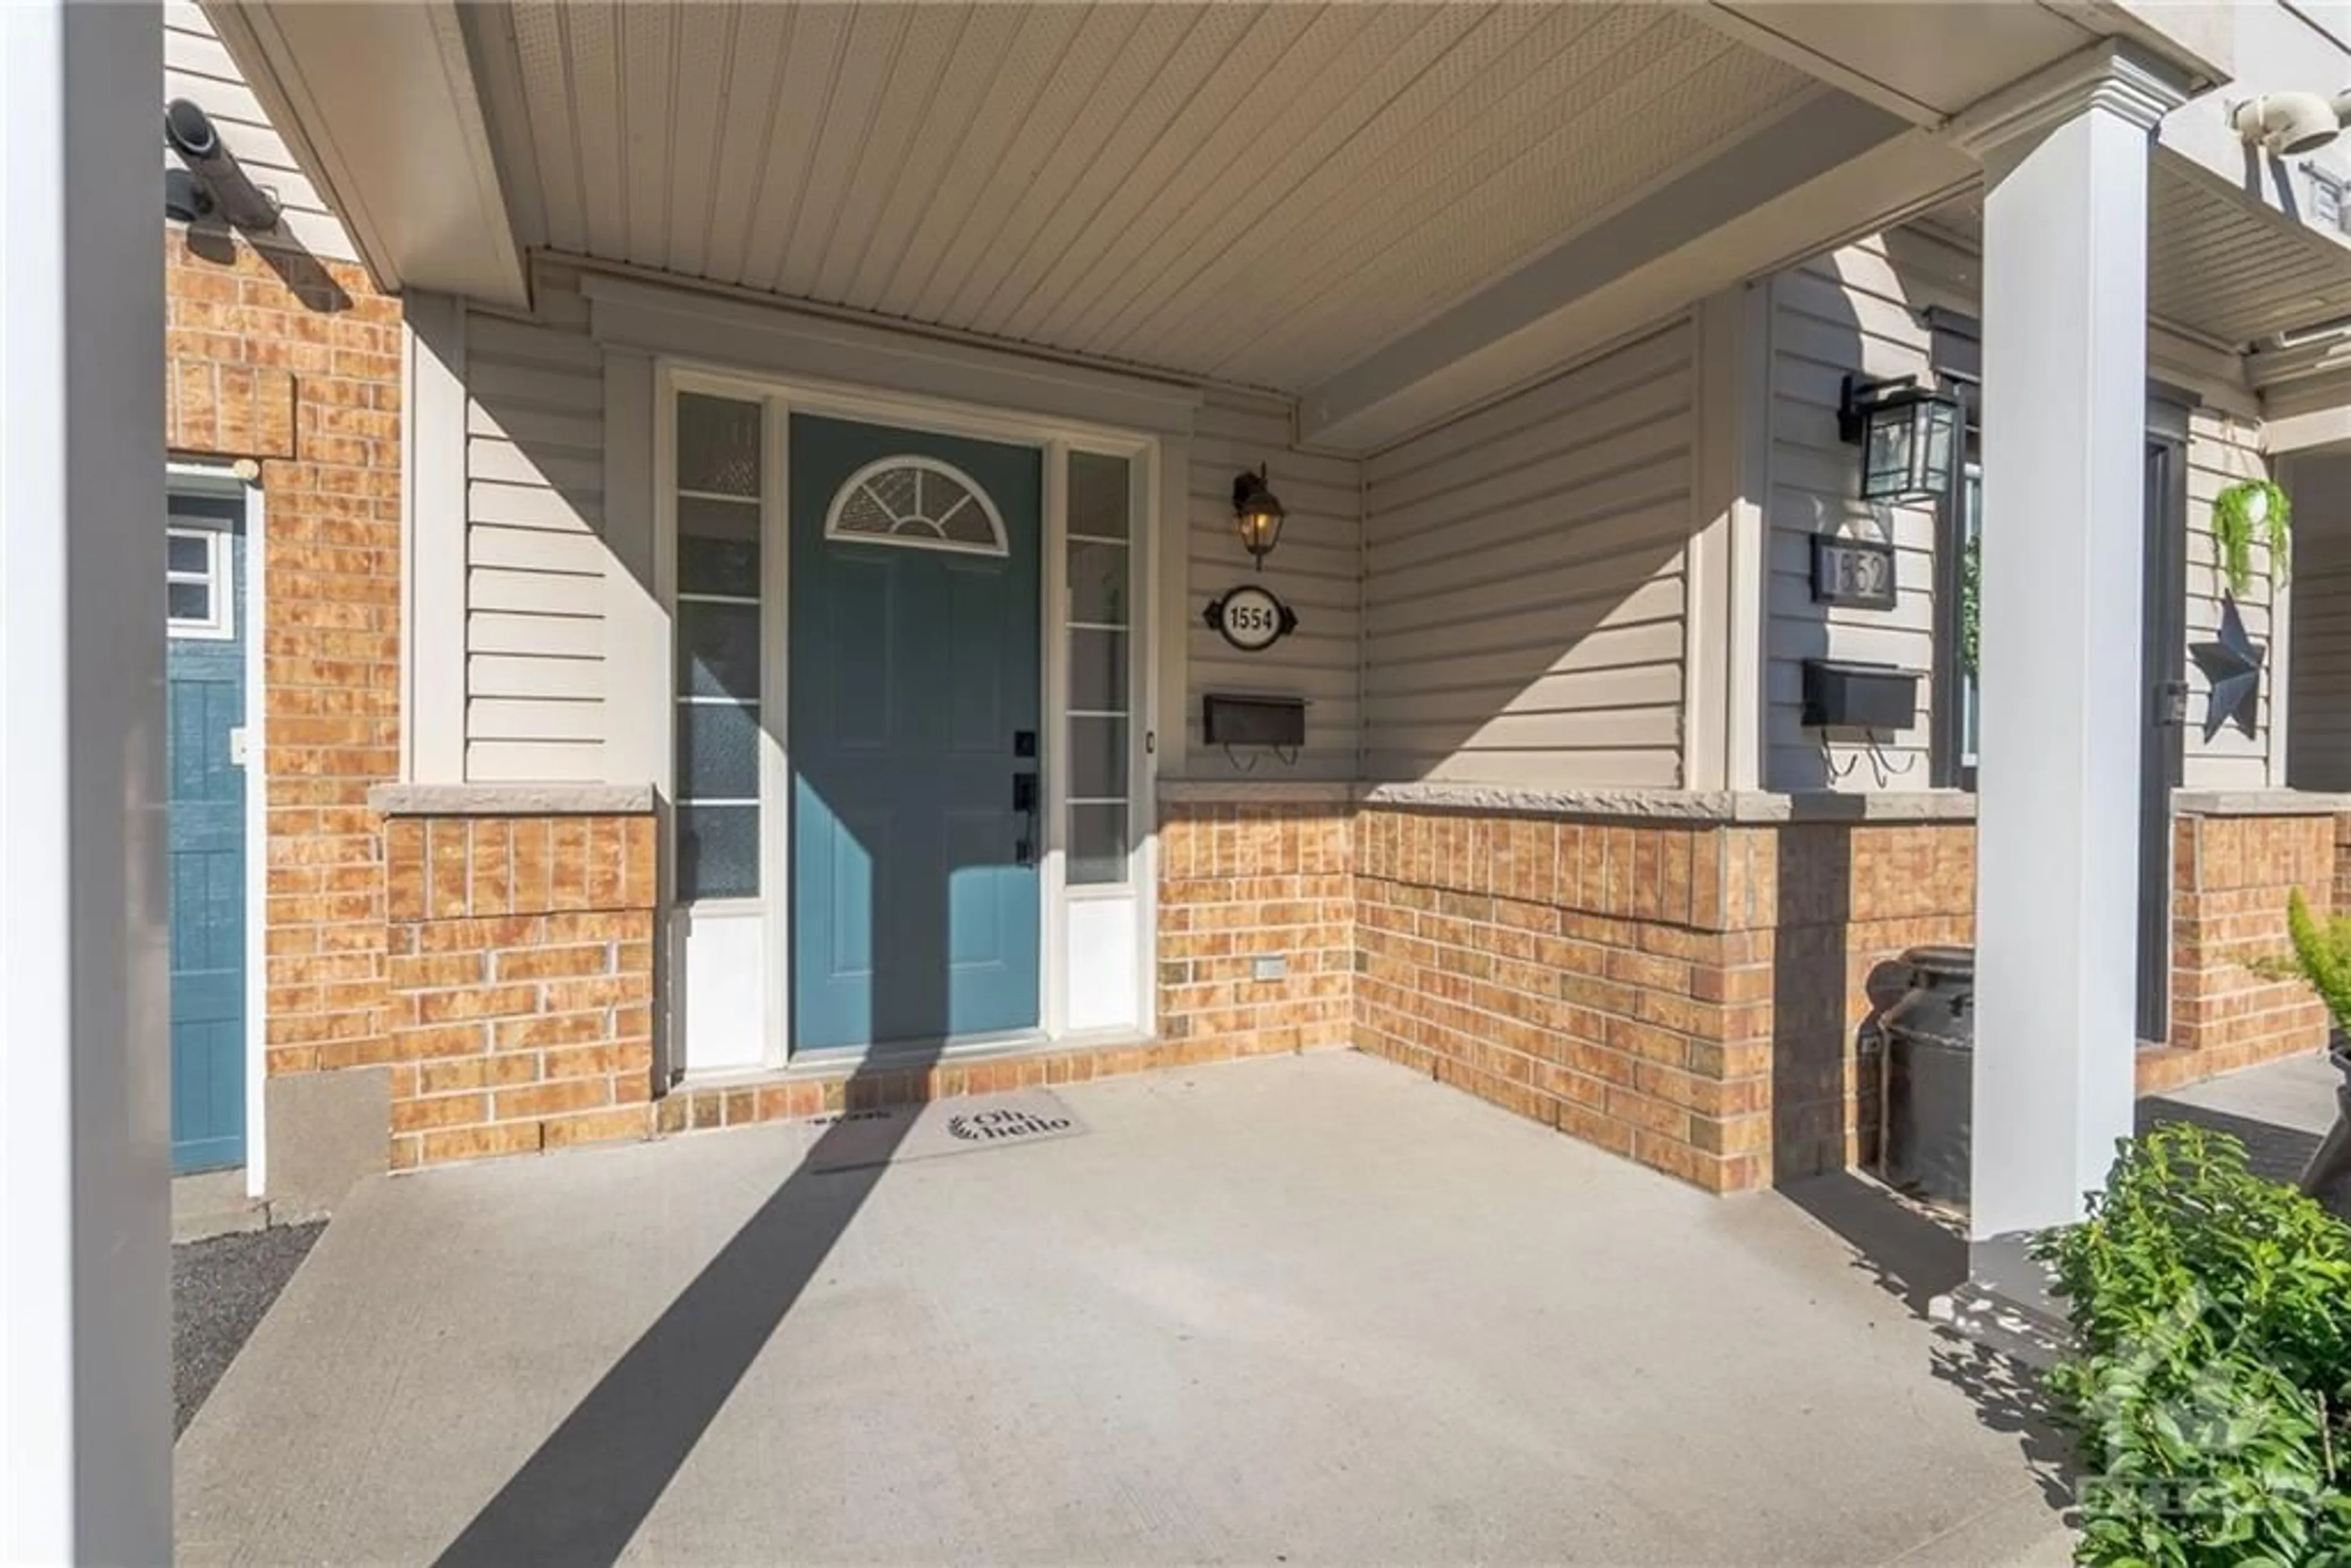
(1307, 1309)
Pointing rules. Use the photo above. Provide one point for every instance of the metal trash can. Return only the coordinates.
(2328, 1177)
(1930, 1077)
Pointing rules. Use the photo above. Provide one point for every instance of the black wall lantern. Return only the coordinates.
(1907, 436)
(1257, 513)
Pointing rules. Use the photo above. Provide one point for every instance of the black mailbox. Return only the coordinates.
(1846, 694)
(1253, 721)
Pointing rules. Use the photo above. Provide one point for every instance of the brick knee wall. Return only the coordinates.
(1701, 997)
(1582, 974)
(2231, 877)
(518, 1013)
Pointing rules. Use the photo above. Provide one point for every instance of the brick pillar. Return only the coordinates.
(519, 1007)
(1238, 884)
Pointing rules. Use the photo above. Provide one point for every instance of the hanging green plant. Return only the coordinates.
(1970, 602)
(2245, 509)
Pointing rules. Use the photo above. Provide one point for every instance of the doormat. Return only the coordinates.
(856, 1139)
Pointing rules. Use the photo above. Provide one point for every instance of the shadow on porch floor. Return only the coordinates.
(1309, 1307)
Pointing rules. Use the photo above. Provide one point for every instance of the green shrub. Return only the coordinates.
(2210, 1381)
(2322, 955)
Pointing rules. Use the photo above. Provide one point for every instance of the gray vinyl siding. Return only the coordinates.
(2318, 753)
(1860, 310)
(1850, 312)
(197, 67)
(536, 561)
(2222, 450)
(1524, 592)
(537, 565)
(1316, 569)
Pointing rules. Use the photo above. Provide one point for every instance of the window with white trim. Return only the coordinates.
(916, 501)
(1099, 624)
(199, 583)
(720, 469)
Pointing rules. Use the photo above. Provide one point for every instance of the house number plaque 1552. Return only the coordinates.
(1858, 572)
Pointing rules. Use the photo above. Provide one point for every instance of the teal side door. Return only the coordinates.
(916, 690)
(204, 703)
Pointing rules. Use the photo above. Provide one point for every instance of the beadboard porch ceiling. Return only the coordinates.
(1389, 211)
(1245, 193)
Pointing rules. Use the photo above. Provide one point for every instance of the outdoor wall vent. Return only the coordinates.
(219, 182)
(2284, 123)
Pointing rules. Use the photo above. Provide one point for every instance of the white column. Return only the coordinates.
(85, 1367)
(2064, 400)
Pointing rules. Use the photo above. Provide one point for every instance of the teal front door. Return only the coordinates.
(915, 695)
(204, 708)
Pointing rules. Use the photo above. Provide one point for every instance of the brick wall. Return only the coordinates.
(519, 1007)
(1702, 998)
(296, 363)
(1582, 974)
(1241, 883)
(2231, 880)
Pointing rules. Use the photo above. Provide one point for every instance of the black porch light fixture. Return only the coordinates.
(1257, 513)
(1907, 433)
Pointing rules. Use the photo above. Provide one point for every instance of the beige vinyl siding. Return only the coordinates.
(1859, 309)
(2222, 450)
(2319, 754)
(1316, 569)
(1523, 594)
(1853, 311)
(536, 563)
(197, 67)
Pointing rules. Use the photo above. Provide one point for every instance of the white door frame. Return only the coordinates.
(1054, 439)
(249, 602)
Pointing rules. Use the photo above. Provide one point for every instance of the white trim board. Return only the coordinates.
(823, 356)
(434, 546)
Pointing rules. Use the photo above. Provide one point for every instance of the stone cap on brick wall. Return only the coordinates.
(511, 800)
(1680, 805)
(2257, 803)
(1254, 792)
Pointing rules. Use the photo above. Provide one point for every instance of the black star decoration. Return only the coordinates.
(2233, 667)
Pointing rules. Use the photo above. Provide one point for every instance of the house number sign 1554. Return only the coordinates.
(1251, 617)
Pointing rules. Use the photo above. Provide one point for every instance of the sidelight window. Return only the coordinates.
(720, 458)
(1099, 623)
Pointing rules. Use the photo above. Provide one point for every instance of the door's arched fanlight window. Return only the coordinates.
(917, 501)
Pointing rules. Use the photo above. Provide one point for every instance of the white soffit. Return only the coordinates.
(2217, 265)
(1926, 59)
(2233, 271)
(1248, 194)
(376, 102)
